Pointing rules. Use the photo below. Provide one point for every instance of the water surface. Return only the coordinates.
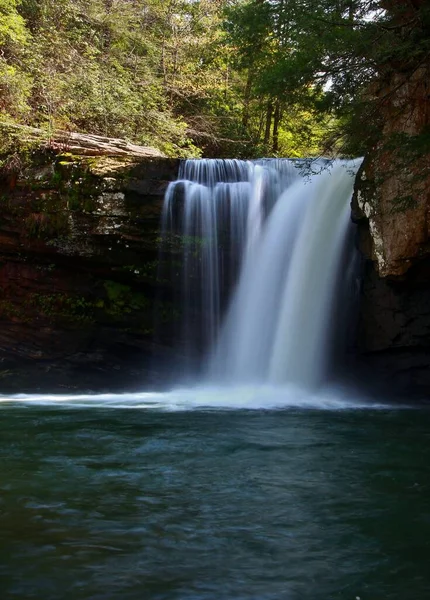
(310, 501)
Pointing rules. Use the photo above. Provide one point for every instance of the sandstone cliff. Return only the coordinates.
(79, 268)
(392, 208)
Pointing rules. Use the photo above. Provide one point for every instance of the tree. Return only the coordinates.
(223, 77)
(328, 56)
(14, 83)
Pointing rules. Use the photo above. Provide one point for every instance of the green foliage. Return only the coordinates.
(47, 225)
(15, 83)
(218, 77)
(98, 67)
(13, 33)
(54, 305)
(121, 299)
(328, 57)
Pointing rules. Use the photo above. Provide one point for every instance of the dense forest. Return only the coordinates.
(209, 77)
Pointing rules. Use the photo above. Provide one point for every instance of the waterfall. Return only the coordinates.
(262, 245)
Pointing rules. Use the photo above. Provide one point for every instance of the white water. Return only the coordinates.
(243, 351)
(215, 213)
(281, 239)
(278, 327)
(249, 397)
(304, 321)
(289, 233)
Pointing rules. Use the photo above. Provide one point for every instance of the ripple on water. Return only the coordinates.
(101, 504)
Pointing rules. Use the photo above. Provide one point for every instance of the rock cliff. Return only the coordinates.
(392, 208)
(79, 270)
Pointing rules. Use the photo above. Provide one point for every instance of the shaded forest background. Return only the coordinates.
(239, 78)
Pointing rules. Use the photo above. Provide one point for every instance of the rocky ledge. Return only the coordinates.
(79, 268)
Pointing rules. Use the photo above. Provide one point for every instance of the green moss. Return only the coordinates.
(128, 309)
(115, 291)
(77, 200)
(46, 202)
(121, 299)
(55, 305)
(76, 183)
(47, 225)
(56, 178)
(22, 151)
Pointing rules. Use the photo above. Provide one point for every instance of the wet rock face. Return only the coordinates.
(391, 205)
(79, 274)
(393, 341)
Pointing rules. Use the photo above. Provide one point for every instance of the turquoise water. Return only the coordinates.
(151, 497)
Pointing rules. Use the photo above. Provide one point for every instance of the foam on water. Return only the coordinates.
(265, 397)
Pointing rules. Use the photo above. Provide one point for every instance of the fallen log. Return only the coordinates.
(81, 143)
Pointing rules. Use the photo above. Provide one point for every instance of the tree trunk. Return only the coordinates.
(276, 122)
(269, 114)
(246, 101)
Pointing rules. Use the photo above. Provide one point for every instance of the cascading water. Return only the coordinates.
(214, 214)
(269, 241)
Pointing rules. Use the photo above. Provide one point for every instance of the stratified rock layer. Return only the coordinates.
(79, 273)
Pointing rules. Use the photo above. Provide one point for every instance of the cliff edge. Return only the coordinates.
(391, 205)
(79, 265)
